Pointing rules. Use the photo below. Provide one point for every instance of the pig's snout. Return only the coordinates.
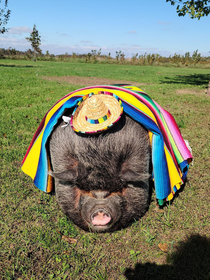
(100, 217)
(100, 210)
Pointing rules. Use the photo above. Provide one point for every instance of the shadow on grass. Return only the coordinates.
(190, 261)
(13, 65)
(195, 79)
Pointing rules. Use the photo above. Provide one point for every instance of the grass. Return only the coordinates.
(31, 223)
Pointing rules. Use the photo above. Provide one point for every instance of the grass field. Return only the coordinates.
(168, 243)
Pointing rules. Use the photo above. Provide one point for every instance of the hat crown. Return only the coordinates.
(96, 112)
(95, 108)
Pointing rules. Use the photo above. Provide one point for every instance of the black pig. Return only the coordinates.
(102, 180)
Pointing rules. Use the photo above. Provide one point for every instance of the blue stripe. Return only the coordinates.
(42, 171)
(160, 168)
(141, 118)
(184, 168)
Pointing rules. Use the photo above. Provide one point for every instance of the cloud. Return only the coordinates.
(64, 34)
(86, 42)
(129, 50)
(19, 30)
(13, 42)
(59, 49)
(163, 22)
(56, 49)
(136, 46)
(132, 32)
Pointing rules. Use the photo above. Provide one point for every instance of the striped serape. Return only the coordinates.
(170, 155)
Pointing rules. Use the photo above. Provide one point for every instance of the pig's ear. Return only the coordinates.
(69, 166)
(67, 175)
(133, 173)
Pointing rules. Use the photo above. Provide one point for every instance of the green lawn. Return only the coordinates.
(31, 223)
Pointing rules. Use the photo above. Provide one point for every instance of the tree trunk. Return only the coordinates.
(208, 89)
(34, 56)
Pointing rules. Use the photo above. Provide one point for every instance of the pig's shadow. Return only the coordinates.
(190, 261)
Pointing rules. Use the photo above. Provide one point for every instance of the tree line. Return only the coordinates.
(95, 56)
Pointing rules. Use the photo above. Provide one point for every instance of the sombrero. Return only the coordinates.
(96, 112)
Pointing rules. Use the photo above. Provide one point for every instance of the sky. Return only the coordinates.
(143, 26)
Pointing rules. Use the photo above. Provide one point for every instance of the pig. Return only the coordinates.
(102, 180)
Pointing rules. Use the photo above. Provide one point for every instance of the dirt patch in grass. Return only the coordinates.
(191, 91)
(89, 81)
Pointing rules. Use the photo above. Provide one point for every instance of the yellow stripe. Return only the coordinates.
(175, 178)
(133, 88)
(101, 120)
(31, 162)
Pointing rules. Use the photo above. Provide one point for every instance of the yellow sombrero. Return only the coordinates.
(96, 112)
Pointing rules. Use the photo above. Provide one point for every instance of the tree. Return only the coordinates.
(195, 8)
(4, 17)
(35, 40)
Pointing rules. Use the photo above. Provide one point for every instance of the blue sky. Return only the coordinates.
(79, 26)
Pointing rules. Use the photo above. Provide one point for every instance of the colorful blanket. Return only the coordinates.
(170, 155)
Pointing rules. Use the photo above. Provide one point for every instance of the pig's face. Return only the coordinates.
(102, 181)
(102, 210)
